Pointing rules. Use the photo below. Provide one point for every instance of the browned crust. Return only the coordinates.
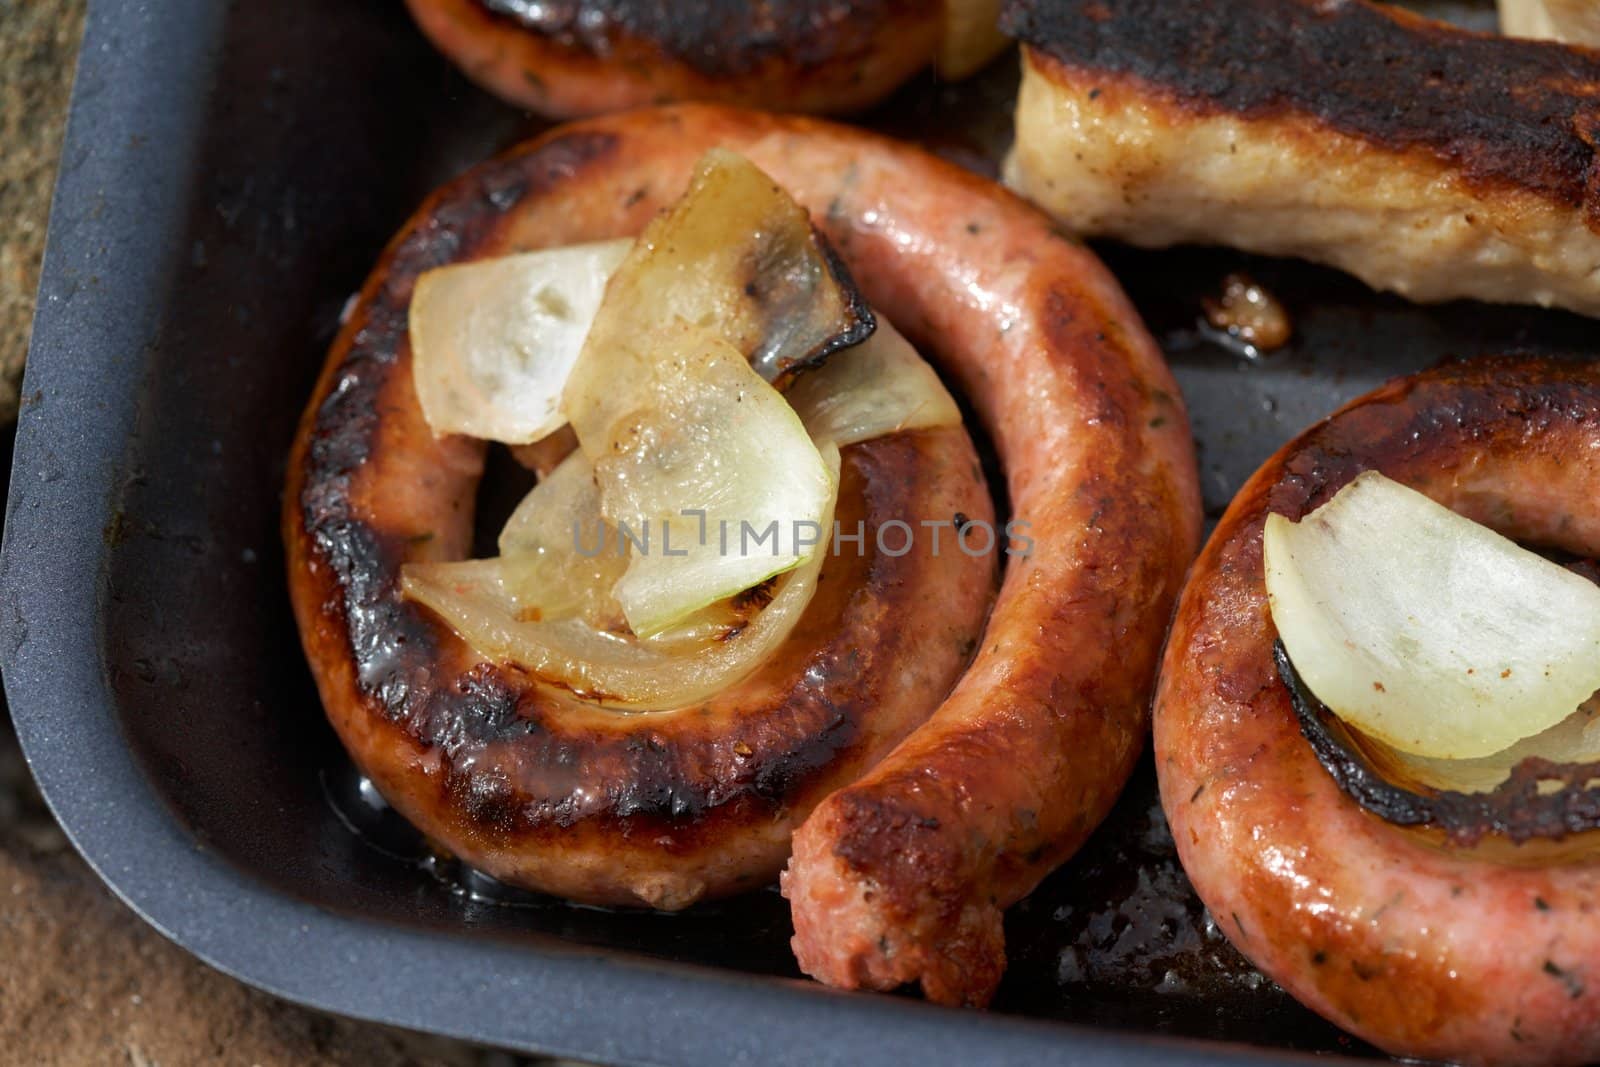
(1506, 113)
(577, 57)
(491, 762)
(1425, 427)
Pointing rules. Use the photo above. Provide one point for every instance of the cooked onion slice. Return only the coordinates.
(1427, 631)
(492, 342)
(735, 256)
(696, 457)
(562, 559)
(1572, 21)
(715, 479)
(687, 455)
(879, 387)
(708, 652)
(1574, 740)
(546, 602)
(970, 38)
(1544, 787)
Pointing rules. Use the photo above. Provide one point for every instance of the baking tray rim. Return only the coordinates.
(149, 67)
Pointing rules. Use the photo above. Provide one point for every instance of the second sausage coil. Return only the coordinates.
(1425, 949)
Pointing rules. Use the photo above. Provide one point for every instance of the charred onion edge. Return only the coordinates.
(1515, 808)
(863, 322)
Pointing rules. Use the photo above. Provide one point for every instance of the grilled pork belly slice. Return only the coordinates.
(1426, 160)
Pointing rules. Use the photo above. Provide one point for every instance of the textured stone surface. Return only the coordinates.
(85, 981)
(38, 46)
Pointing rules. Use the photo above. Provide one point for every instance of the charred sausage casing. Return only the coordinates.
(570, 58)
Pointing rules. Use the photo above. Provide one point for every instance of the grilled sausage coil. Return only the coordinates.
(1012, 771)
(1424, 949)
(520, 778)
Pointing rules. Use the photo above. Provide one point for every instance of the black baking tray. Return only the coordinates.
(230, 172)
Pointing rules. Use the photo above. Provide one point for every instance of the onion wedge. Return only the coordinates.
(492, 342)
(696, 456)
(879, 387)
(736, 257)
(714, 479)
(562, 559)
(1573, 741)
(545, 604)
(624, 574)
(1427, 631)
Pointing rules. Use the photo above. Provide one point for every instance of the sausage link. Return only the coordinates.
(1012, 772)
(1426, 950)
(516, 776)
(902, 877)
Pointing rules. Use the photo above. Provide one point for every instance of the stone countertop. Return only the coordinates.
(85, 981)
(38, 49)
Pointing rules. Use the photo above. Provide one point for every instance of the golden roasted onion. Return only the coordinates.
(690, 445)
(546, 602)
(1435, 666)
(878, 387)
(735, 256)
(1546, 787)
(705, 654)
(694, 480)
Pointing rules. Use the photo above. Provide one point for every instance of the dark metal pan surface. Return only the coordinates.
(230, 173)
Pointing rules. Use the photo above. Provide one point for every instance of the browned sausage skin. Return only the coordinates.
(524, 780)
(902, 877)
(571, 58)
(1422, 949)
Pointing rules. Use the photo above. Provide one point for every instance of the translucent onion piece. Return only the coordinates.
(1425, 630)
(735, 256)
(493, 342)
(562, 558)
(971, 37)
(715, 480)
(1574, 740)
(692, 449)
(1572, 21)
(676, 669)
(878, 387)
(1544, 789)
